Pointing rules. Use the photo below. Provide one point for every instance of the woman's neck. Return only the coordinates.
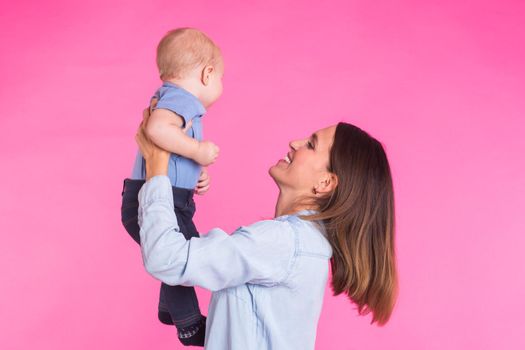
(291, 203)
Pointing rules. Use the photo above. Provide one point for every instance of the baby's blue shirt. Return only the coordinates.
(182, 172)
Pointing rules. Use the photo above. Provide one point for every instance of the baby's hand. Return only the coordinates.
(207, 153)
(204, 183)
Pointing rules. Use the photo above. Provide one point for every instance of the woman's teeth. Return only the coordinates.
(287, 159)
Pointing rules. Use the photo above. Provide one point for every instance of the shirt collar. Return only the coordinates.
(300, 213)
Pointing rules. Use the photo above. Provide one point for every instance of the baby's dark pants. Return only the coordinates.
(181, 302)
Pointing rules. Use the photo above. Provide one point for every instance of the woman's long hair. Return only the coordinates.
(358, 218)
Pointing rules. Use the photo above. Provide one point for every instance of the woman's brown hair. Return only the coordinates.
(358, 218)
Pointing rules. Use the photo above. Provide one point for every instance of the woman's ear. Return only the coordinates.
(327, 184)
(206, 74)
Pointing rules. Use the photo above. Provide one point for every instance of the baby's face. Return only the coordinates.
(213, 90)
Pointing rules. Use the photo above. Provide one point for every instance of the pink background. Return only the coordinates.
(440, 83)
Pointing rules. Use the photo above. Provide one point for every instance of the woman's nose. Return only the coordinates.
(293, 145)
(296, 144)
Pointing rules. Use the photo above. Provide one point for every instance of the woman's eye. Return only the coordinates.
(309, 145)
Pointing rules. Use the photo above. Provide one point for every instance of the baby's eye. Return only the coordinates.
(310, 145)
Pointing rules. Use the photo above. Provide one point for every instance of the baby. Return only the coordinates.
(191, 68)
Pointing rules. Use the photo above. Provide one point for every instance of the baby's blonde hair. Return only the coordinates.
(184, 49)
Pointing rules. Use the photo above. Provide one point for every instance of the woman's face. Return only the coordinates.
(306, 164)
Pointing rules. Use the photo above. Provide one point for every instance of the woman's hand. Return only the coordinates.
(156, 158)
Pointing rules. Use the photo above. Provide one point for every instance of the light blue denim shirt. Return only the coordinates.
(268, 279)
(183, 172)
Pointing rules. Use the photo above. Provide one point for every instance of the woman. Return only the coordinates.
(335, 205)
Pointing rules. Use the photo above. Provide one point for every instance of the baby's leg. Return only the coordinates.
(178, 305)
(181, 302)
(129, 218)
(130, 207)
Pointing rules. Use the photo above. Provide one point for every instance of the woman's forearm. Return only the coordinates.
(156, 218)
(157, 165)
(260, 253)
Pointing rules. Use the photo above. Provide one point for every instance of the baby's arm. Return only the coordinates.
(203, 185)
(164, 128)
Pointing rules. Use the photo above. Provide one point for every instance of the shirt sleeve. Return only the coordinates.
(261, 253)
(177, 104)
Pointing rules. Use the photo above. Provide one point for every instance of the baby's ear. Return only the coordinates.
(206, 73)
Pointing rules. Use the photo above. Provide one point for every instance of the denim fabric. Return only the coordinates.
(268, 279)
(181, 302)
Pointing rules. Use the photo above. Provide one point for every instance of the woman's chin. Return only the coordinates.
(274, 173)
(277, 171)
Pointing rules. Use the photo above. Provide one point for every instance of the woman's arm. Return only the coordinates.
(261, 253)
